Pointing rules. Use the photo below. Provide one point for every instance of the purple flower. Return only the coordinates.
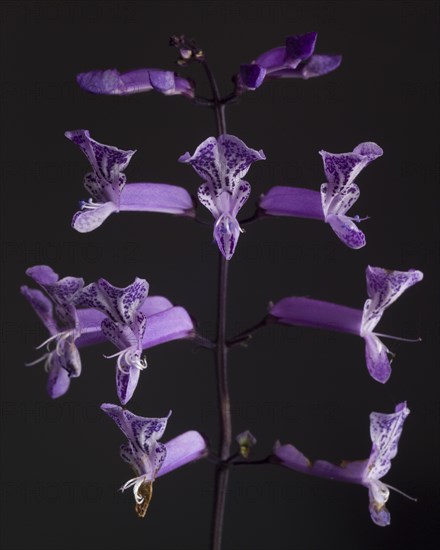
(110, 193)
(385, 431)
(294, 60)
(112, 82)
(132, 326)
(59, 315)
(384, 287)
(147, 456)
(87, 326)
(222, 163)
(337, 195)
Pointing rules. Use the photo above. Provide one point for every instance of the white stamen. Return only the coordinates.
(47, 341)
(32, 363)
(400, 492)
(357, 219)
(61, 336)
(90, 205)
(130, 358)
(400, 339)
(135, 482)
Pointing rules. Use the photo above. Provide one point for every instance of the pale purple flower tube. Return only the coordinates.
(292, 201)
(182, 450)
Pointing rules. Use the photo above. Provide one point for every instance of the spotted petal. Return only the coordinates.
(140, 431)
(222, 162)
(107, 161)
(347, 231)
(376, 355)
(385, 431)
(342, 169)
(63, 292)
(378, 494)
(127, 379)
(384, 286)
(226, 233)
(120, 304)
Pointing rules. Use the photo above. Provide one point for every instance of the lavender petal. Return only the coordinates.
(156, 197)
(155, 304)
(172, 324)
(376, 356)
(347, 231)
(252, 75)
(385, 431)
(349, 472)
(317, 65)
(42, 306)
(183, 449)
(292, 201)
(85, 221)
(384, 287)
(317, 314)
(126, 383)
(58, 381)
(299, 48)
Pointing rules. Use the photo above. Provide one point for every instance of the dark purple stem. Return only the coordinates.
(221, 354)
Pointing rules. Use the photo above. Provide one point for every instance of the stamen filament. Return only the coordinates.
(400, 339)
(400, 492)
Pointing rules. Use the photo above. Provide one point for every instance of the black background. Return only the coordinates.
(60, 463)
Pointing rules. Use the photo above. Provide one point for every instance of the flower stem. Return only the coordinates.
(221, 356)
(247, 334)
(218, 105)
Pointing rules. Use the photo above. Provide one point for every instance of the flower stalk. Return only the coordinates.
(221, 360)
